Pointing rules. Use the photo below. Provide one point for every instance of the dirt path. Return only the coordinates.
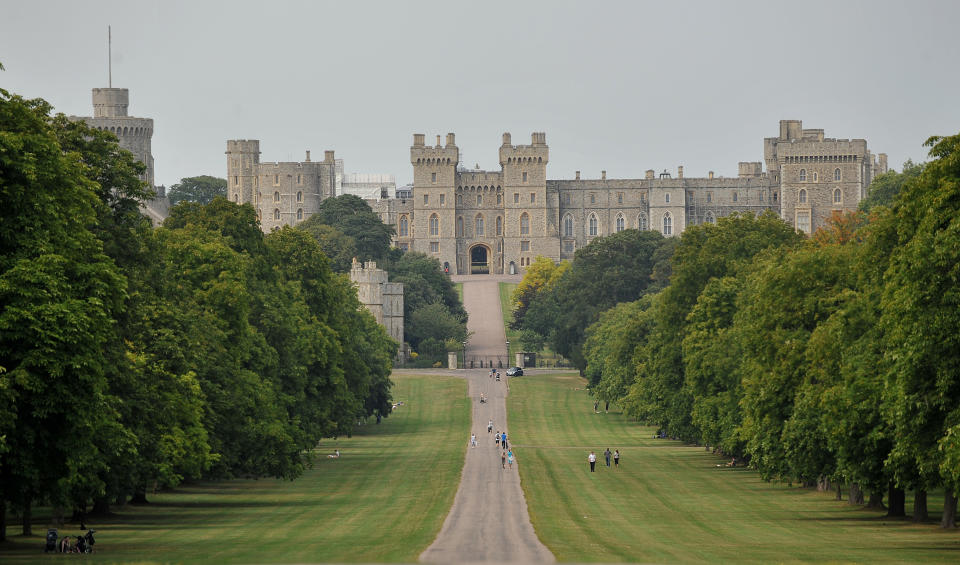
(489, 521)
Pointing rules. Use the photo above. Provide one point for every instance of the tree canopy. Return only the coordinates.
(202, 189)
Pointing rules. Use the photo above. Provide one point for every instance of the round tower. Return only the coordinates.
(110, 102)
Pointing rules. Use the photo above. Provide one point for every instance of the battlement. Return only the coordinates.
(243, 146)
(110, 102)
(422, 154)
(537, 152)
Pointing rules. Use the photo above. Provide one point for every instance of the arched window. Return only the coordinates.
(434, 225)
(459, 226)
(642, 222)
(666, 197)
(276, 213)
(802, 196)
(710, 219)
(479, 200)
(499, 199)
(620, 223)
(524, 224)
(568, 226)
(593, 223)
(815, 176)
(836, 174)
(299, 196)
(459, 200)
(479, 225)
(276, 197)
(299, 213)
(803, 175)
(499, 225)
(404, 226)
(837, 195)
(667, 224)
(735, 196)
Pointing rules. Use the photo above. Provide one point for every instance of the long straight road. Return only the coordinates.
(488, 521)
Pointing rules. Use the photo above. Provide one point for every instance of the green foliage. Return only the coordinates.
(884, 188)
(432, 308)
(539, 276)
(353, 217)
(202, 190)
(339, 247)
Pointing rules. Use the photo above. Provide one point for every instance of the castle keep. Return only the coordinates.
(477, 221)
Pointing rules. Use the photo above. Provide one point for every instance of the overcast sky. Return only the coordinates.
(623, 87)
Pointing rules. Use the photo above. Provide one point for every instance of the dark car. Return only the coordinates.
(514, 372)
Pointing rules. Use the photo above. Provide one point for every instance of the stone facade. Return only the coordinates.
(476, 221)
(283, 194)
(382, 298)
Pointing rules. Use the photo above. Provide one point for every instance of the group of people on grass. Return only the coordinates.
(592, 459)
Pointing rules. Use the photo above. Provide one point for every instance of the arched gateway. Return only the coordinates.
(480, 260)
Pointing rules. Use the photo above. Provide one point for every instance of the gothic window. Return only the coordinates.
(593, 223)
(666, 197)
(836, 174)
(516, 197)
(619, 198)
(479, 227)
(276, 180)
(568, 246)
(533, 197)
(642, 222)
(236, 180)
(299, 179)
(803, 221)
(426, 199)
(499, 199)
(276, 214)
(404, 226)
(299, 213)
(709, 197)
(667, 224)
(433, 178)
(837, 195)
(566, 199)
(524, 176)
(299, 197)
(803, 175)
(735, 196)
(802, 197)
(568, 226)
(593, 198)
(479, 200)
(524, 224)
(710, 219)
(434, 224)
(459, 226)
(276, 197)
(620, 223)
(499, 225)
(442, 199)
(815, 176)
(524, 245)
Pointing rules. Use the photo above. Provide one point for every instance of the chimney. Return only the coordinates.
(680, 172)
(710, 175)
(603, 175)
(578, 175)
(308, 155)
(450, 140)
(328, 157)
(418, 139)
(649, 174)
(438, 141)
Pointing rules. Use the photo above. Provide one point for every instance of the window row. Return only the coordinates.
(837, 196)
(276, 214)
(802, 176)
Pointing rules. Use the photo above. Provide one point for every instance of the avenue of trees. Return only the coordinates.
(133, 358)
(825, 361)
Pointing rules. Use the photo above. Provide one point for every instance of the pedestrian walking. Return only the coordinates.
(497, 438)
(596, 407)
(592, 458)
(510, 458)
(606, 456)
(607, 408)
(473, 440)
(616, 458)
(490, 426)
(503, 459)
(503, 440)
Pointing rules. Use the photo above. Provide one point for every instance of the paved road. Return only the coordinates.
(489, 521)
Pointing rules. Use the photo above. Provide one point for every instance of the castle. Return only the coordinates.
(476, 221)
(383, 299)
(134, 134)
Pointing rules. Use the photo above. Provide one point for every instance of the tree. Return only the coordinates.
(884, 188)
(354, 217)
(540, 275)
(921, 319)
(202, 190)
(339, 247)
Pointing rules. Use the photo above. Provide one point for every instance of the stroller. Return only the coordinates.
(51, 544)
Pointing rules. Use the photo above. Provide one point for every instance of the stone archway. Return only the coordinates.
(480, 256)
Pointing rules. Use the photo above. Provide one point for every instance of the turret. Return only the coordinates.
(243, 156)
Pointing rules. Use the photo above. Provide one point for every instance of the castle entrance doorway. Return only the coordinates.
(479, 260)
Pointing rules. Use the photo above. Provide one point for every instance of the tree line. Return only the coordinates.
(826, 360)
(133, 358)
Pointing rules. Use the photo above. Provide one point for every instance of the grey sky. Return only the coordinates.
(617, 86)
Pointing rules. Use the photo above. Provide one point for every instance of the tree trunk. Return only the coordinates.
(139, 496)
(920, 505)
(856, 495)
(101, 506)
(876, 500)
(823, 484)
(949, 519)
(121, 500)
(3, 519)
(896, 501)
(28, 516)
(839, 492)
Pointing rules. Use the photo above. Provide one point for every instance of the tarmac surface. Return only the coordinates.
(488, 521)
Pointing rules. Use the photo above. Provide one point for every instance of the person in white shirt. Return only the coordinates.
(592, 458)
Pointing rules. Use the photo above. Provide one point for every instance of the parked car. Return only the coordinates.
(514, 372)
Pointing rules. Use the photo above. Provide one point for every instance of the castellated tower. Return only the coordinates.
(434, 213)
(134, 134)
(243, 158)
(530, 220)
(383, 299)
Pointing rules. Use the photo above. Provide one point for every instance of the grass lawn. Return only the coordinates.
(672, 503)
(385, 499)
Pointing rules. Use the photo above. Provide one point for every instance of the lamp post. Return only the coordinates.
(464, 354)
(508, 353)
